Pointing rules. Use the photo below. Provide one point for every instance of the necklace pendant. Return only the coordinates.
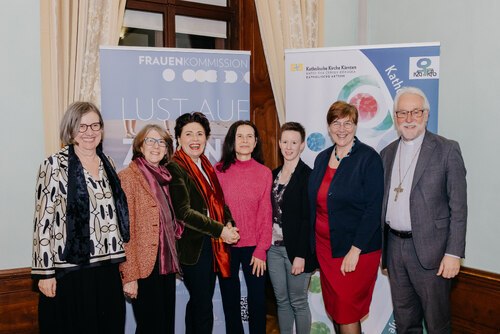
(398, 190)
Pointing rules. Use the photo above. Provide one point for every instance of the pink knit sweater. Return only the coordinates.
(247, 192)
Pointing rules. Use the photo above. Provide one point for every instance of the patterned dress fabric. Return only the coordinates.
(50, 215)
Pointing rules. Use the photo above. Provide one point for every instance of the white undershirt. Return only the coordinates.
(398, 212)
(198, 164)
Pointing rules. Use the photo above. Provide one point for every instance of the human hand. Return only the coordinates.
(236, 233)
(449, 267)
(130, 289)
(234, 229)
(48, 287)
(350, 260)
(259, 266)
(230, 235)
(298, 265)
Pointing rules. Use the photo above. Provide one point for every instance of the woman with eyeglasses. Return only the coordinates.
(148, 275)
(198, 201)
(345, 190)
(81, 223)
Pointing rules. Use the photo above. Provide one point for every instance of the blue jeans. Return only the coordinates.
(290, 291)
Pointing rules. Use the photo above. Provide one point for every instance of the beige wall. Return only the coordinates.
(21, 127)
(469, 32)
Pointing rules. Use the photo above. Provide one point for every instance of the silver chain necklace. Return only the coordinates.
(399, 189)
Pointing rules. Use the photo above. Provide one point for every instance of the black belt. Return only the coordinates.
(279, 243)
(401, 234)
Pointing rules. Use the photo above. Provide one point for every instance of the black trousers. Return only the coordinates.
(231, 295)
(87, 301)
(199, 280)
(154, 308)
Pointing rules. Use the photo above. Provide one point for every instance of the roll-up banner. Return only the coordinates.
(157, 85)
(369, 78)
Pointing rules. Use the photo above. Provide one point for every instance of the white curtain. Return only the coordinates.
(286, 24)
(71, 33)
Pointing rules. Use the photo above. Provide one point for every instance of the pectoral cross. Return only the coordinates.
(398, 190)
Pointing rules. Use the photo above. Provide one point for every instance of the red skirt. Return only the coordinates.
(347, 298)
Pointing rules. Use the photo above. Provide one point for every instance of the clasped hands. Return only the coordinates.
(230, 234)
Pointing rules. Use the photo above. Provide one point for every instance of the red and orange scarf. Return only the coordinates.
(214, 199)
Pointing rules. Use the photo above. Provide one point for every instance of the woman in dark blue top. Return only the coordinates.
(345, 191)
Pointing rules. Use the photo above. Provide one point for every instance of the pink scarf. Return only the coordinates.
(158, 178)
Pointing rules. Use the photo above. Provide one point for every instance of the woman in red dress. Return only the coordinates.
(345, 190)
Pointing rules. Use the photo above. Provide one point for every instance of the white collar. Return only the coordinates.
(415, 142)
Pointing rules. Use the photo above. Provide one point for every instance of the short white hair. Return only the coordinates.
(411, 90)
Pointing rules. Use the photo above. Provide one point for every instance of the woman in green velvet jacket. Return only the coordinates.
(199, 202)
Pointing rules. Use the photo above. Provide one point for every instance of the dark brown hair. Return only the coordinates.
(294, 126)
(229, 153)
(194, 117)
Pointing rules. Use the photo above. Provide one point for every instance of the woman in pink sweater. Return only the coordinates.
(246, 184)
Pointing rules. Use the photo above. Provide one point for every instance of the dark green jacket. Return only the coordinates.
(190, 208)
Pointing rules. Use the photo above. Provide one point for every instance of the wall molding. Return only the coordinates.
(18, 302)
(475, 302)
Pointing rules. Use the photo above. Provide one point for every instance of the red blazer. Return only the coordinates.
(142, 249)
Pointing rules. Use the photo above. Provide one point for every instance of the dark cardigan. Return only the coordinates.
(295, 216)
(354, 200)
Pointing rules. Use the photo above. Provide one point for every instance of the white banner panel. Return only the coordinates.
(368, 77)
(157, 85)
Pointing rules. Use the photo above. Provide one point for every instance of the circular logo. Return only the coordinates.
(168, 75)
(365, 93)
(316, 141)
(366, 104)
(423, 63)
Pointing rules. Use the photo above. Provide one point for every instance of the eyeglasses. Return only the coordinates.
(94, 127)
(347, 125)
(152, 141)
(415, 113)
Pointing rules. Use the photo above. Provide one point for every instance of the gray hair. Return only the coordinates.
(411, 90)
(70, 122)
